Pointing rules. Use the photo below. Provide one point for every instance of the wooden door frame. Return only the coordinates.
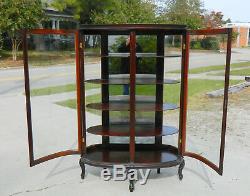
(184, 96)
(79, 82)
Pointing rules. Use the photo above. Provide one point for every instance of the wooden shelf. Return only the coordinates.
(138, 106)
(141, 130)
(139, 81)
(126, 120)
(146, 156)
(126, 55)
(125, 98)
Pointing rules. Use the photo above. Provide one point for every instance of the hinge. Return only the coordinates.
(83, 140)
(184, 47)
(81, 45)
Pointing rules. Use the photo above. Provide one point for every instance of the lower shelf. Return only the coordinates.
(149, 107)
(146, 156)
(141, 130)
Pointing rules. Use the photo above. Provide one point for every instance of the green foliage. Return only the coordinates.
(173, 41)
(240, 72)
(197, 88)
(59, 89)
(210, 43)
(148, 44)
(234, 35)
(213, 19)
(127, 11)
(214, 68)
(195, 44)
(83, 9)
(146, 65)
(1, 42)
(187, 12)
(19, 14)
(207, 43)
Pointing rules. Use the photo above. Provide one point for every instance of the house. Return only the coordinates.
(55, 20)
(59, 20)
(243, 37)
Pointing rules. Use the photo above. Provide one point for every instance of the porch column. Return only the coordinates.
(53, 24)
(58, 24)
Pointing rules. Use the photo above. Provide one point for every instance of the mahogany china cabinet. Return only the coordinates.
(131, 154)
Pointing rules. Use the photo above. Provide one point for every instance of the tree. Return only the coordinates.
(83, 9)
(213, 19)
(187, 12)
(127, 11)
(16, 15)
(109, 11)
(1, 41)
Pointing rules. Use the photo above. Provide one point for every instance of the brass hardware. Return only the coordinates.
(184, 47)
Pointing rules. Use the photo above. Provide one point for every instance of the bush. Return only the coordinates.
(195, 44)
(145, 65)
(210, 43)
(173, 41)
(1, 43)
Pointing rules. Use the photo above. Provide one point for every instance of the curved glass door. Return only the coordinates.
(204, 100)
(52, 86)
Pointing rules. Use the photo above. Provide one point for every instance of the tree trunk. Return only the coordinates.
(173, 41)
(15, 45)
(14, 52)
(94, 41)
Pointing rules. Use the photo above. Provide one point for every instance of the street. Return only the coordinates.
(12, 80)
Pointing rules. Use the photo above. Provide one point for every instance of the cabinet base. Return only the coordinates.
(147, 156)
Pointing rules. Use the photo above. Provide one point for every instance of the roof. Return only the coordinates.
(238, 24)
(56, 13)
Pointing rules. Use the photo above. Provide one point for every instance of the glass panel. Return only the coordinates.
(171, 92)
(53, 93)
(92, 67)
(119, 68)
(206, 94)
(92, 52)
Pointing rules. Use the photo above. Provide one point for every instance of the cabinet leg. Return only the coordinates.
(82, 165)
(131, 185)
(181, 167)
(158, 170)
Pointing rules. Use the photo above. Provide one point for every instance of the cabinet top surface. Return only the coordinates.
(132, 27)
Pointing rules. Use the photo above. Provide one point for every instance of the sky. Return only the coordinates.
(236, 10)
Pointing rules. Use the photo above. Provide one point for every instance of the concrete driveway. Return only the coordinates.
(62, 176)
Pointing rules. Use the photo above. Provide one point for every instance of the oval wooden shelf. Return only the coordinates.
(141, 130)
(125, 98)
(126, 55)
(126, 120)
(139, 81)
(138, 106)
(146, 156)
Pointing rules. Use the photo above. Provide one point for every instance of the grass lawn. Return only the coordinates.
(241, 72)
(59, 89)
(42, 58)
(214, 68)
(171, 92)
